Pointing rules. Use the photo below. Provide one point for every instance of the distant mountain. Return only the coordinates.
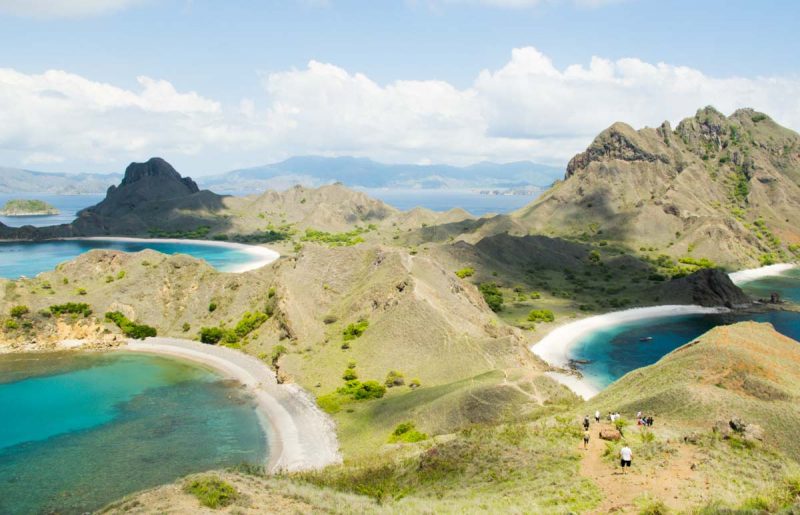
(16, 180)
(362, 172)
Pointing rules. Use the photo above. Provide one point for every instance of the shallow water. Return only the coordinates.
(81, 430)
(31, 258)
(787, 285)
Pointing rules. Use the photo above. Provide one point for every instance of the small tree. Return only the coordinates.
(19, 311)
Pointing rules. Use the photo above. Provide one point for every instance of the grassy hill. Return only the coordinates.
(724, 188)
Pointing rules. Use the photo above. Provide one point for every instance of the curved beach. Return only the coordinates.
(751, 274)
(301, 436)
(262, 256)
(554, 347)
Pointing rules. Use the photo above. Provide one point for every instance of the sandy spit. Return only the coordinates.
(751, 274)
(262, 256)
(554, 348)
(301, 436)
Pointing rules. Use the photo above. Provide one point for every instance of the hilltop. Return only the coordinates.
(723, 188)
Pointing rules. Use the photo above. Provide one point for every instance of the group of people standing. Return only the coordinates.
(625, 453)
(643, 420)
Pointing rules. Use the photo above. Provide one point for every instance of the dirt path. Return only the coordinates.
(669, 478)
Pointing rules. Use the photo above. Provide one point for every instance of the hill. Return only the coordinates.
(362, 172)
(27, 208)
(16, 181)
(723, 188)
(746, 371)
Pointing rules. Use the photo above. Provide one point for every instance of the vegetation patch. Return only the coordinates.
(541, 315)
(73, 308)
(465, 272)
(200, 233)
(339, 239)
(130, 328)
(249, 322)
(211, 491)
(492, 295)
(355, 330)
(19, 311)
(407, 433)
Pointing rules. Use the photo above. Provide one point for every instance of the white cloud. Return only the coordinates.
(526, 109)
(64, 8)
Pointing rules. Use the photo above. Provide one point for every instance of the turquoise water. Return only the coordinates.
(81, 430)
(787, 285)
(31, 258)
(614, 352)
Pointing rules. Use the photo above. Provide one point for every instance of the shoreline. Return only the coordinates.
(300, 436)
(752, 274)
(554, 347)
(262, 256)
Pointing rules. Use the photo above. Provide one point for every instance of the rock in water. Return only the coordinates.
(708, 287)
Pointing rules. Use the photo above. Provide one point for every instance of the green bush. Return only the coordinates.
(186, 327)
(407, 433)
(465, 272)
(353, 331)
(394, 378)
(541, 315)
(342, 239)
(492, 295)
(277, 352)
(535, 295)
(19, 311)
(211, 491)
(73, 308)
(349, 374)
(11, 324)
(249, 323)
(81, 291)
(212, 307)
(130, 328)
(359, 391)
(211, 335)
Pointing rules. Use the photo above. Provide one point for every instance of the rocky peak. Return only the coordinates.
(157, 169)
(618, 142)
(708, 287)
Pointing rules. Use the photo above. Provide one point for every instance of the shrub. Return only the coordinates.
(211, 491)
(109, 279)
(349, 374)
(541, 315)
(414, 383)
(535, 295)
(121, 275)
(186, 327)
(407, 433)
(329, 319)
(594, 257)
(277, 352)
(11, 324)
(492, 295)
(130, 328)
(72, 308)
(19, 311)
(212, 307)
(359, 391)
(211, 335)
(353, 331)
(249, 323)
(81, 291)
(394, 378)
(465, 272)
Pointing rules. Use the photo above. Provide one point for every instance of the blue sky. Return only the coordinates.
(230, 83)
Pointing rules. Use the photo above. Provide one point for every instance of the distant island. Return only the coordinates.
(28, 208)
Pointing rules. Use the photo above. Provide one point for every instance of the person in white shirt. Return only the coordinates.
(625, 457)
(597, 416)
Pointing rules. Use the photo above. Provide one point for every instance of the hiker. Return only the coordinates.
(597, 416)
(625, 457)
(586, 439)
(650, 420)
(586, 423)
(638, 415)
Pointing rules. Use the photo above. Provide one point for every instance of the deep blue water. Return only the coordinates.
(81, 430)
(29, 259)
(444, 200)
(614, 352)
(68, 205)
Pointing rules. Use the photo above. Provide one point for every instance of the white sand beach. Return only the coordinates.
(751, 274)
(301, 436)
(554, 347)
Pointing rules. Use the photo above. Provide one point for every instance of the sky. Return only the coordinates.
(211, 86)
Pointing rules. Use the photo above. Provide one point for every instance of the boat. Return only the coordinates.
(646, 338)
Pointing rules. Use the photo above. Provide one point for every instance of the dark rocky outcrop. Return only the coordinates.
(709, 287)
